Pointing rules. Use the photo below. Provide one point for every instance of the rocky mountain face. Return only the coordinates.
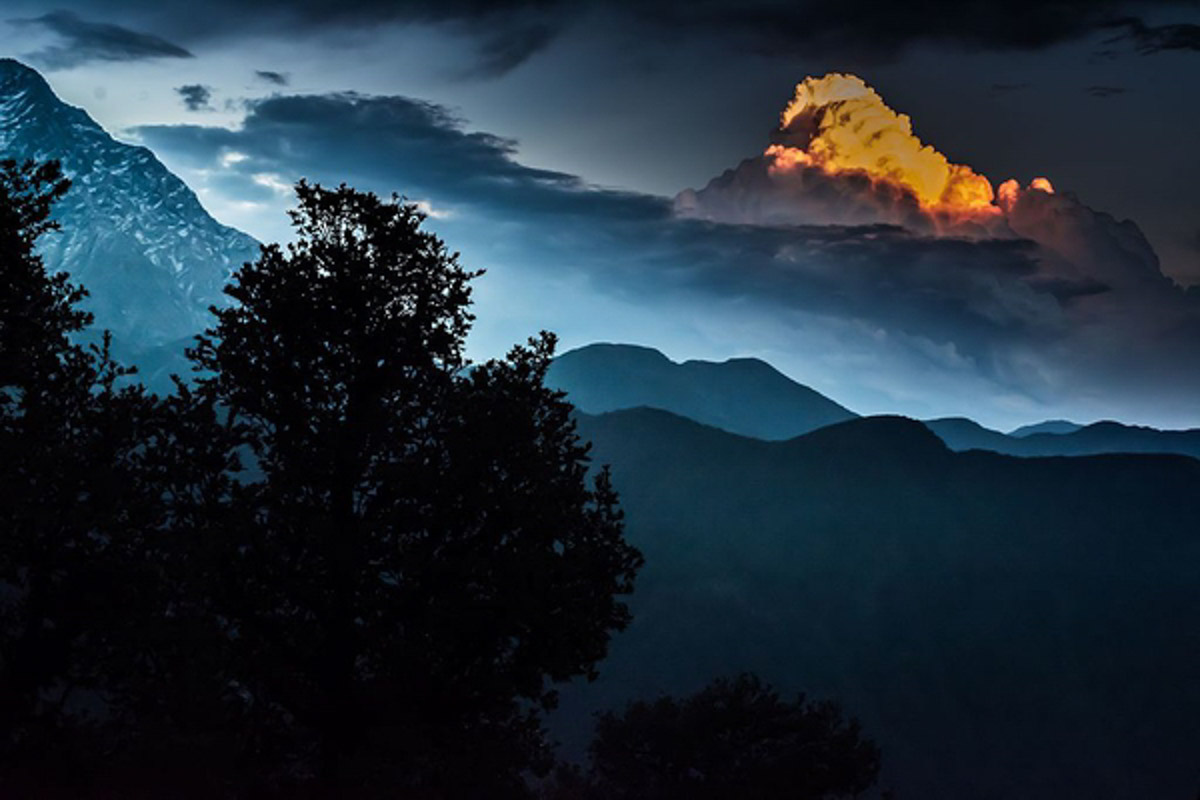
(132, 232)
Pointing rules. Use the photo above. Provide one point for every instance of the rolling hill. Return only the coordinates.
(741, 395)
(1007, 627)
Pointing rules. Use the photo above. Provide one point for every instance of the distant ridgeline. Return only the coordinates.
(132, 233)
(749, 397)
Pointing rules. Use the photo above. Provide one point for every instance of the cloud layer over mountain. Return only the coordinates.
(1049, 307)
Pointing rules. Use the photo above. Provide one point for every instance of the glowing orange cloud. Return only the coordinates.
(841, 125)
(1009, 192)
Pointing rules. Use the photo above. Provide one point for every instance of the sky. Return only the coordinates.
(551, 141)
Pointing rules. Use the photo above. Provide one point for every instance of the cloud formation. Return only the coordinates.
(85, 41)
(422, 146)
(1151, 39)
(1066, 306)
(870, 29)
(195, 96)
(505, 50)
(506, 33)
(270, 76)
(841, 156)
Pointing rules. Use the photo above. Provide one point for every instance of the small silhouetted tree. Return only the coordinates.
(75, 580)
(733, 739)
(419, 556)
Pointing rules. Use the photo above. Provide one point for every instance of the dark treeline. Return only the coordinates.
(339, 561)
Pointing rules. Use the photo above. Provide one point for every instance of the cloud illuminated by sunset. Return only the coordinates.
(839, 124)
(841, 155)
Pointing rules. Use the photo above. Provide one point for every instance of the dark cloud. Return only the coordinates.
(86, 41)
(195, 96)
(503, 52)
(1105, 91)
(508, 32)
(421, 146)
(789, 26)
(1150, 39)
(270, 76)
(866, 28)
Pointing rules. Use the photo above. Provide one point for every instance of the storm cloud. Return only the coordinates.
(421, 147)
(507, 33)
(84, 41)
(1151, 39)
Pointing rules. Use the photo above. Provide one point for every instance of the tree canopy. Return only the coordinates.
(734, 738)
(76, 587)
(418, 554)
(343, 560)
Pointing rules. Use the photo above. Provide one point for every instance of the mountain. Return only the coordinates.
(1112, 437)
(1102, 437)
(741, 395)
(960, 433)
(749, 397)
(132, 232)
(1057, 426)
(1005, 627)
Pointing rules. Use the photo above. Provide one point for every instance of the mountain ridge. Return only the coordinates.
(1059, 426)
(133, 233)
(749, 397)
(740, 395)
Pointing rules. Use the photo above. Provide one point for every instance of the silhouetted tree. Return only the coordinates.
(183, 724)
(733, 739)
(419, 556)
(75, 580)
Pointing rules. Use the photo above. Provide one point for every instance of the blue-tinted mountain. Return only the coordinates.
(1101, 437)
(1112, 437)
(1056, 426)
(960, 433)
(742, 395)
(132, 232)
(1006, 627)
(749, 397)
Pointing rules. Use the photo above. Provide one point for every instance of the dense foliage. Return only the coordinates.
(343, 558)
(418, 556)
(76, 583)
(734, 738)
(340, 561)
